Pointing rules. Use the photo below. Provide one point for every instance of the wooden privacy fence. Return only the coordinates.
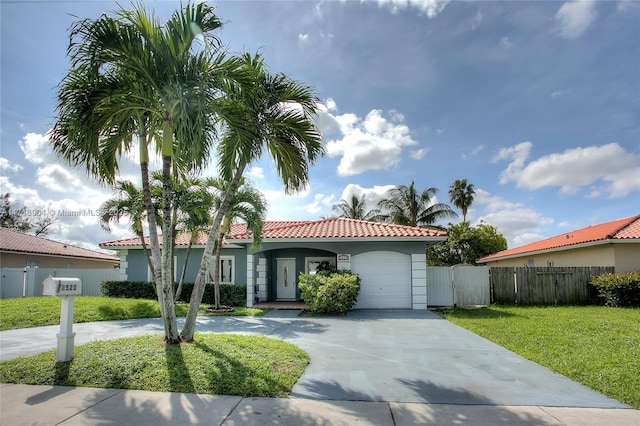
(543, 285)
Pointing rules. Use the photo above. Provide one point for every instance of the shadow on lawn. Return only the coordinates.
(473, 313)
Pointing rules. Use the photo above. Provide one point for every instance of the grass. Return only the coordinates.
(213, 364)
(38, 311)
(594, 345)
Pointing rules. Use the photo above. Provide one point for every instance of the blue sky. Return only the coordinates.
(535, 103)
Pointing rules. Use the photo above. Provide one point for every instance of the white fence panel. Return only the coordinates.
(439, 286)
(471, 285)
(12, 283)
(458, 285)
(18, 282)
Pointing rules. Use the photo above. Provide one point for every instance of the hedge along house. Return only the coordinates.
(615, 243)
(390, 259)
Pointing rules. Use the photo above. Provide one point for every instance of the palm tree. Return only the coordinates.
(135, 80)
(461, 195)
(355, 209)
(405, 206)
(271, 111)
(247, 204)
(128, 202)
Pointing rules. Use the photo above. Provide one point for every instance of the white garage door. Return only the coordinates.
(385, 279)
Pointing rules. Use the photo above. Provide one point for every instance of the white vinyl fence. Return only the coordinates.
(27, 282)
(458, 285)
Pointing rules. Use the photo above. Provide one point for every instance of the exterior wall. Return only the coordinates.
(624, 257)
(19, 260)
(137, 268)
(268, 254)
(627, 257)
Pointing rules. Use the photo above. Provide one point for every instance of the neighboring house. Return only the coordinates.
(390, 259)
(19, 250)
(615, 243)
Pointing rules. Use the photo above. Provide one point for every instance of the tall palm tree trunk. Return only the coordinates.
(184, 270)
(198, 287)
(151, 218)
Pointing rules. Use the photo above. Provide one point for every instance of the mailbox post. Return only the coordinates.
(65, 289)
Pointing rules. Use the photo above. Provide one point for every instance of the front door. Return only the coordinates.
(286, 279)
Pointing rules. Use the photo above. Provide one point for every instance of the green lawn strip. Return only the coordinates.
(38, 311)
(596, 346)
(221, 364)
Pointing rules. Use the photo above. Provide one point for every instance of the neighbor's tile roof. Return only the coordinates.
(620, 229)
(18, 242)
(309, 229)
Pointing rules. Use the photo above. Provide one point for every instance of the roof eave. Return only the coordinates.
(66, 256)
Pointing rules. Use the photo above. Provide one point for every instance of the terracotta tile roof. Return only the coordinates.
(620, 229)
(18, 242)
(339, 228)
(325, 228)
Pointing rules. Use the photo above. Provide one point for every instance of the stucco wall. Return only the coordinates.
(137, 268)
(624, 257)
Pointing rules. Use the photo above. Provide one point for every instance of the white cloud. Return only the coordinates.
(303, 37)
(37, 148)
(475, 151)
(506, 43)
(419, 153)
(319, 204)
(439, 131)
(6, 165)
(558, 93)
(256, 172)
(476, 20)
(608, 169)
(57, 178)
(372, 143)
(574, 17)
(519, 224)
(431, 8)
(371, 195)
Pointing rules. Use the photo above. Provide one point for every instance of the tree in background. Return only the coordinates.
(18, 220)
(404, 205)
(355, 208)
(247, 204)
(461, 195)
(127, 202)
(466, 244)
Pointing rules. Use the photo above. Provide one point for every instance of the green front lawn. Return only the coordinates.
(213, 364)
(597, 346)
(38, 311)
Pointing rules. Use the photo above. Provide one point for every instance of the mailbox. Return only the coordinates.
(58, 286)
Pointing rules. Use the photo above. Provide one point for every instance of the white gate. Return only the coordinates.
(458, 285)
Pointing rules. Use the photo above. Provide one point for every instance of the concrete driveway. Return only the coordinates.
(371, 355)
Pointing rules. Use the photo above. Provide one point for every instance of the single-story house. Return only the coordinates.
(19, 250)
(390, 259)
(615, 243)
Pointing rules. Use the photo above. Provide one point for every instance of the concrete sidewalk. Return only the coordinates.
(59, 405)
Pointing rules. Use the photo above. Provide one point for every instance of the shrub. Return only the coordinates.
(618, 289)
(128, 289)
(333, 292)
(230, 294)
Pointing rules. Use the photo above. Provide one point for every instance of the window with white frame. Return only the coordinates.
(176, 273)
(227, 270)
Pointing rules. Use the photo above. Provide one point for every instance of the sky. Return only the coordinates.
(535, 103)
